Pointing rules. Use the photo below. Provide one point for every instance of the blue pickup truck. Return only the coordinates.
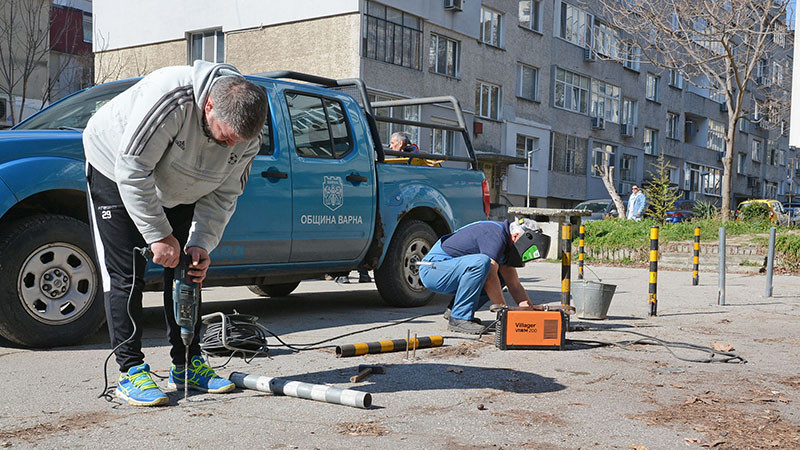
(322, 198)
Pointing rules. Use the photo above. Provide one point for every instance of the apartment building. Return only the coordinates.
(544, 102)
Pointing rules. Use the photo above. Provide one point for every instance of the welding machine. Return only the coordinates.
(526, 329)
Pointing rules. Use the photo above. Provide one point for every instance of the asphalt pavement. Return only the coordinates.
(466, 394)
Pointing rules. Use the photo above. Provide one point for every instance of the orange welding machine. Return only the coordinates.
(530, 330)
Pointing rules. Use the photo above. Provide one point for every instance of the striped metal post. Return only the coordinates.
(696, 258)
(566, 260)
(290, 388)
(396, 345)
(653, 288)
(581, 253)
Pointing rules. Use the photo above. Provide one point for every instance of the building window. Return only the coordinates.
(571, 91)
(650, 141)
(444, 55)
(567, 154)
(627, 168)
(526, 144)
(770, 190)
(673, 120)
(319, 126)
(386, 129)
(530, 12)
(702, 179)
(675, 78)
(605, 101)
(487, 100)
(762, 72)
(777, 73)
(630, 54)
(392, 36)
(599, 155)
(527, 82)
(629, 111)
(443, 142)
(741, 159)
(755, 151)
(207, 46)
(87, 26)
(717, 95)
(491, 27)
(651, 91)
(575, 25)
(781, 157)
(716, 136)
(605, 40)
(772, 152)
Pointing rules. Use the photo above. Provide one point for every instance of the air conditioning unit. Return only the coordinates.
(598, 123)
(589, 55)
(626, 129)
(723, 107)
(454, 5)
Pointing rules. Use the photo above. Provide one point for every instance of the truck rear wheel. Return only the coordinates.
(50, 289)
(274, 290)
(397, 278)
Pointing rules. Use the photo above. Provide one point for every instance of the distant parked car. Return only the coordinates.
(681, 211)
(793, 210)
(600, 209)
(777, 214)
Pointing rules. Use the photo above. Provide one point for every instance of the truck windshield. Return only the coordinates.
(74, 111)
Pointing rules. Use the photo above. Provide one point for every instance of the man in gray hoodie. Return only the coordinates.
(166, 161)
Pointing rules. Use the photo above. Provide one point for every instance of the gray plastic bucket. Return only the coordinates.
(592, 299)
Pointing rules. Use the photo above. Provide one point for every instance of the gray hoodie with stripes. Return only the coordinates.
(150, 141)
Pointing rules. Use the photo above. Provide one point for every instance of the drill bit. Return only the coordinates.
(186, 376)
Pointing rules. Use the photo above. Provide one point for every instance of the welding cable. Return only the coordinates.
(727, 357)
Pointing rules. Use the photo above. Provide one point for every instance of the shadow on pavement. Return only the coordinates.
(696, 313)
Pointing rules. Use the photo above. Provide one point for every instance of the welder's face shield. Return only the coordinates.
(530, 245)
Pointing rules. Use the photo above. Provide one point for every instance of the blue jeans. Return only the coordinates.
(463, 276)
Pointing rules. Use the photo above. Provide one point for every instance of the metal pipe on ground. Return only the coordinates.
(653, 286)
(722, 268)
(696, 258)
(396, 345)
(770, 261)
(581, 252)
(318, 392)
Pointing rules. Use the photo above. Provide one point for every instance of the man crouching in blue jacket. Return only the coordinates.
(474, 263)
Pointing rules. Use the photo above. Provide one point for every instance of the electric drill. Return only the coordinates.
(186, 300)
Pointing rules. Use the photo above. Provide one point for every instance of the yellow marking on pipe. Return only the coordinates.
(653, 255)
(565, 232)
(581, 256)
(361, 348)
(653, 277)
(651, 298)
(565, 285)
(437, 341)
(653, 233)
(386, 346)
(697, 231)
(696, 260)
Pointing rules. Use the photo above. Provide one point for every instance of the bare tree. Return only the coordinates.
(723, 46)
(606, 173)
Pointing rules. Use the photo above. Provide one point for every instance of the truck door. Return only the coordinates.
(260, 230)
(333, 181)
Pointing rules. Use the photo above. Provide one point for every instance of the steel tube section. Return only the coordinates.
(566, 260)
(427, 155)
(581, 253)
(289, 388)
(416, 123)
(652, 298)
(396, 345)
(721, 270)
(696, 258)
(770, 261)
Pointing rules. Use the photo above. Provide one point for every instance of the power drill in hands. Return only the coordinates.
(185, 299)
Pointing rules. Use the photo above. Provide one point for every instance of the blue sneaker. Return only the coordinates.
(201, 377)
(138, 389)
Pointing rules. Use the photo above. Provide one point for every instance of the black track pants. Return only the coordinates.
(115, 236)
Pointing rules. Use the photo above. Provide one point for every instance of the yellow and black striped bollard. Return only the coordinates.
(696, 258)
(581, 254)
(566, 260)
(653, 288)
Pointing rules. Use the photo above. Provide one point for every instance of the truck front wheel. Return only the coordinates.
(50, 289)
(397, 278)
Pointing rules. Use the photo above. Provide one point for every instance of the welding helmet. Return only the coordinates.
(532, 243)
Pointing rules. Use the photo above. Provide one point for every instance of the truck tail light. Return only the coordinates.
(485, 188)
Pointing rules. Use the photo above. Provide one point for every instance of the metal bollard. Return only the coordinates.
(770, 261)
(581, 253)
(566, 259)
(696, 258)
(653, 287)
(721, 269)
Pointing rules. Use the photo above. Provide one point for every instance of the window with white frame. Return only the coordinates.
(602, 153)
(630, 54)
(779, 37)
(391, 35)
(605, 40)
(702, 179)
(443, 141)
(487, 100)
(444, 56)
(716, 136)
(673, 119)
(386, 129)
(627, 168)
(770, 189)
(717, 95)
(629, 111)
(741, 161)
(568, 154)
(526, 144)
(755, 150)
(87, 26)
(675, 78)
(651, 88)
(575, 25)
(491, 27)
(571, 91)
(207, 46)
(772, 152)
(781, 157)
(530, 12)
(762, 72)
(777, 73)
(527, 82)
(650, 141)
(605, 101)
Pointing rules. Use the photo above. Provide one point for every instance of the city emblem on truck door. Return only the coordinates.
(332, 192)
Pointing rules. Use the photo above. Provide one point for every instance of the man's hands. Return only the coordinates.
(167, 252)
(199, 264)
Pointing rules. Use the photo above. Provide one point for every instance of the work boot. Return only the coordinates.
(467, 327)
(446, 316)
(364, 278)
(201, 377)
(138, 389)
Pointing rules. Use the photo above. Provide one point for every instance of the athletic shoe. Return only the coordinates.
(138, 389)
(467, 327)
(446, 316)
(201, 377)
(364, 278)
(344, 279)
